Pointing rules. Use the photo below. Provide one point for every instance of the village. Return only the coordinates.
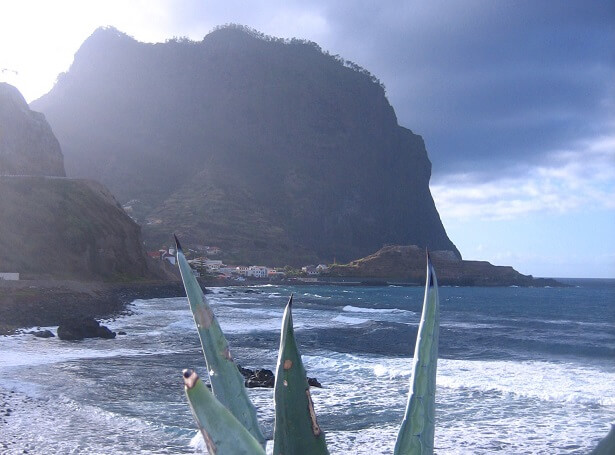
(203, 266)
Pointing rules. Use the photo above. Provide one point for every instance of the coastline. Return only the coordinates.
(34, 303)
(499, 346)
(30, 303)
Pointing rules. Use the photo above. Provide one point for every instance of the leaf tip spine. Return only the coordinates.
(177, 244)
(190, 378)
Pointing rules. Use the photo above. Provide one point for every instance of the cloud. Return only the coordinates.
(577, 179)
(488, 84)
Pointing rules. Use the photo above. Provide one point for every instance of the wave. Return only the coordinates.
(19, 353)
(535, 380)
(545, 381)
(355, 309)
(350, 320)
(81, 428)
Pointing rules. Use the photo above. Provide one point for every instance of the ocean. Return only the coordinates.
(521, 370)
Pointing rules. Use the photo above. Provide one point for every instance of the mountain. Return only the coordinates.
(271, 149)
(52, 226)
(27, 144)
(407, 264)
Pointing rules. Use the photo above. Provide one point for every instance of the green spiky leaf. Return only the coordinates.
(226, 382)
(607, 445)
(416, 435)
(222, 432)
(296, 429)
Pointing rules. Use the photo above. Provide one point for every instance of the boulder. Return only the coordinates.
(245, 372)
(261, 378)
(80, 328)
(265, 378)
(105, 332)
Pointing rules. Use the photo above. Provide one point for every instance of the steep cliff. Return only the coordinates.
(69, 229)
(269, 148)
(27, 144)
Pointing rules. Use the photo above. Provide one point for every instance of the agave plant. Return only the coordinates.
(416, 434)
(227, 418)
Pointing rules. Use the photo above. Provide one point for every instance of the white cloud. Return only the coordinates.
(575, 179)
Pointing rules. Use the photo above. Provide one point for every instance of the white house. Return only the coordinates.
(242, 270)
(208, 264)
(322, 267)
(310, 270)
(257, 271)
(9, 276)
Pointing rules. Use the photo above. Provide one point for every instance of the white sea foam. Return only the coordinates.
(548, 381)
(483, 406)
(355, 309)
(58, 424)
(349, 320)
(317, 296)
(470, 325)
(26, 350)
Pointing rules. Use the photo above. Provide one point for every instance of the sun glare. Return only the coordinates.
(31, 62)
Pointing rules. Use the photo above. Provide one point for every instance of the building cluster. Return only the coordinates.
(203, 264)
(311, 270)
(217, 267)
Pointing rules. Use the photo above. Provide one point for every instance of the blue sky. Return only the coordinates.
(515, 101)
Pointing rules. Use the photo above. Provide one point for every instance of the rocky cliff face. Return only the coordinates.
(51, 226)
(270, 149)
(407, 263)
(67, 229)
(27, 144)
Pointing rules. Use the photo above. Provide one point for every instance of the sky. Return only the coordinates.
(515, 100)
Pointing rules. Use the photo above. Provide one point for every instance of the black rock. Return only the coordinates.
(313, 382)
(253, 382)
(263, 374)
(105, 332)
(121, 332)
(43, 334)
(245, 372)
(80, 328)
(258, 378)
(265, 378)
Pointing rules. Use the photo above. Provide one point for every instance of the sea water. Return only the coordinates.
(521, 370)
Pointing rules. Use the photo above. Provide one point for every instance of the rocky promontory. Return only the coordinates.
(271, 149)
(407, 264)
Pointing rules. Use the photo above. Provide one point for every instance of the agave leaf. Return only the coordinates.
(416, 435)
(222, 432)
(607, 445)
(226, 382)
(296, 431)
